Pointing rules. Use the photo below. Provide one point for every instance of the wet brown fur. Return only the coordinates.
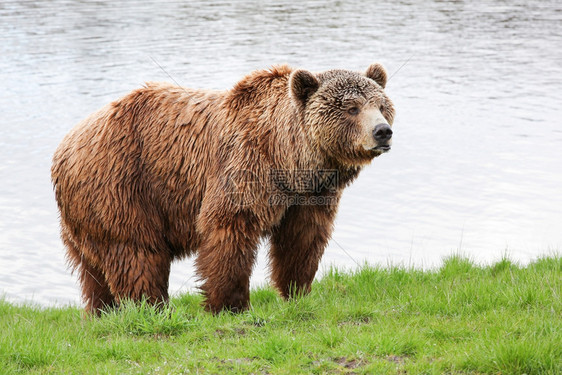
(151, 178)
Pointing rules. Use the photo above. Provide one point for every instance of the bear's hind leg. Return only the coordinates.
(95, 290)
(136, 272)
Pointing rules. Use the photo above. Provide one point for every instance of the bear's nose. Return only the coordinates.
(382, 132)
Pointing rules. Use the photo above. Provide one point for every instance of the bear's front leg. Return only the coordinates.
(224, 263)
(298, 243)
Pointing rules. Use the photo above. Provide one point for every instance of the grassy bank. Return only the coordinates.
(462, 318)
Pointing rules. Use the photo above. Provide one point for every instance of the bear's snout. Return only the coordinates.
(382, 134)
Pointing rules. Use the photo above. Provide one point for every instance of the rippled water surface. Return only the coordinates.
(477, 157)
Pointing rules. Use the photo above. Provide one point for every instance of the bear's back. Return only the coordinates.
(125, 167)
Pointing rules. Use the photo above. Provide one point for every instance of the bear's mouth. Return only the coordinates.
(383, 148)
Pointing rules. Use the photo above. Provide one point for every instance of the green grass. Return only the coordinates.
(461, 318)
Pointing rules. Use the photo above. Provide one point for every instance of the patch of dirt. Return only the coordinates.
(396, 359)
(236, 360)
(219, 332)
(348, 363)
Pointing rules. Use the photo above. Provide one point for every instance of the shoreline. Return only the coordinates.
(459, 318)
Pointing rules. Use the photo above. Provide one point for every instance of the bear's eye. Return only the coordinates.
(353, 111)
(381, 108)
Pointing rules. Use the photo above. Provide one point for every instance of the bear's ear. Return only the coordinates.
(377, 73)
(302, 84)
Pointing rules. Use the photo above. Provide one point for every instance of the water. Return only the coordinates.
(476, 162)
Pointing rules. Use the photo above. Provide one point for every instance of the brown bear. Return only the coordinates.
(166, 172)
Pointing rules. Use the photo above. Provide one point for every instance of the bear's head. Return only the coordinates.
(346, 114)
